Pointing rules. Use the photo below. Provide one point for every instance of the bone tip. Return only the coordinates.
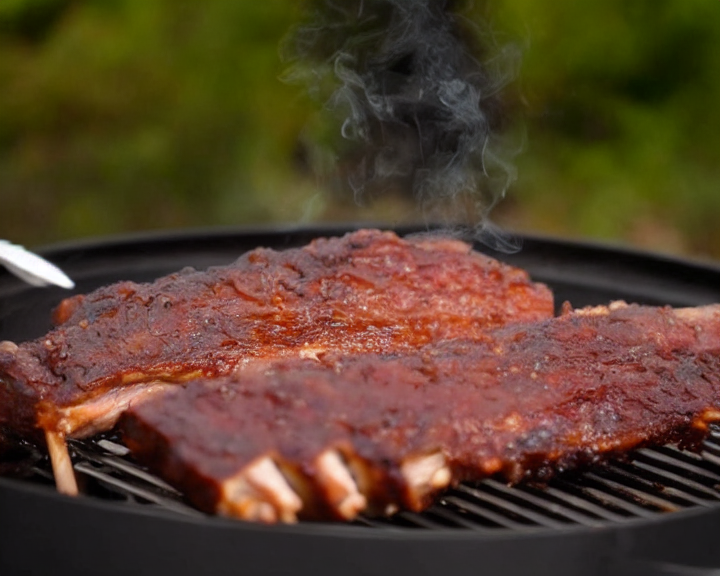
(592, 311)
(426, 474)
(69, 488)
(441, 478)
(601, 310)
(9, 347)
(260, 493)
(390, 509)
(62, 467)
(341, 488)
(352, 505)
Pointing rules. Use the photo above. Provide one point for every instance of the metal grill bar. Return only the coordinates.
(606, 496)
(506, 505)
(685, 462)
(541, 502)
(115, 463)
(616, 485)
(130, 489)
(455, 519)
(485, 516)
(711, 457)
(677, 481)
(584, 503)
(415, 519)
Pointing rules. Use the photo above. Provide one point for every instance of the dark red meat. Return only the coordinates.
(368, 292)
(378, 432)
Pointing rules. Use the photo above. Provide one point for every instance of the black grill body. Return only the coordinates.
(656, 513)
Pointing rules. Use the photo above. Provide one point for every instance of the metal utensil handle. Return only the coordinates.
(32, 268)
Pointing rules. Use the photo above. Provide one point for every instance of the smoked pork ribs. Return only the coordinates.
(332, 438)
(368, 292)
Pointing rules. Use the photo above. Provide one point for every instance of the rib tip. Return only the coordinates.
(260, 492)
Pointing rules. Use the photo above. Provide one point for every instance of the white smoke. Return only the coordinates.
(417, 88)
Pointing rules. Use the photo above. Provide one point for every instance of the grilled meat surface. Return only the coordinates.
(378, 432)
(368, 292)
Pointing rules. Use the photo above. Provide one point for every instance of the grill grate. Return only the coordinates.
(648, 483)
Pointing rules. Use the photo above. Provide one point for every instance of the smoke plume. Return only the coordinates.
(418, 89)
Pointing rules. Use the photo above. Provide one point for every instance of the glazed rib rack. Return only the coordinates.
(367, 291)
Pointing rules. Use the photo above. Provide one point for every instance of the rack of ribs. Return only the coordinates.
(367, 292)
(379, 432)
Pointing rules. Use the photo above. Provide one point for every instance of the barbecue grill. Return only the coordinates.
(656, 512)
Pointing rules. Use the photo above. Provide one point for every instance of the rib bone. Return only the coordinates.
(61, 464)
(340, 488)
(425, 475)
(8, 347)
(260, 492)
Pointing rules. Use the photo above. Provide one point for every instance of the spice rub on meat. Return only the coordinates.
(375, 433)
(367, 292)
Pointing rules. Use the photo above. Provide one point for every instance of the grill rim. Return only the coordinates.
(27, 508)
(214, 545)
(339, 529)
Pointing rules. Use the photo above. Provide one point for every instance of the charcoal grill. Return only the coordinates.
(657, 512)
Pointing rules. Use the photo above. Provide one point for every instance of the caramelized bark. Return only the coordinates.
(532, 399)
(367, 292)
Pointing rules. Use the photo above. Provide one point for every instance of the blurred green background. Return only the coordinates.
(127, 115)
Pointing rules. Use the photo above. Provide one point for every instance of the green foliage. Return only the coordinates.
(146, 114)
(623, 122)
(120, 115)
